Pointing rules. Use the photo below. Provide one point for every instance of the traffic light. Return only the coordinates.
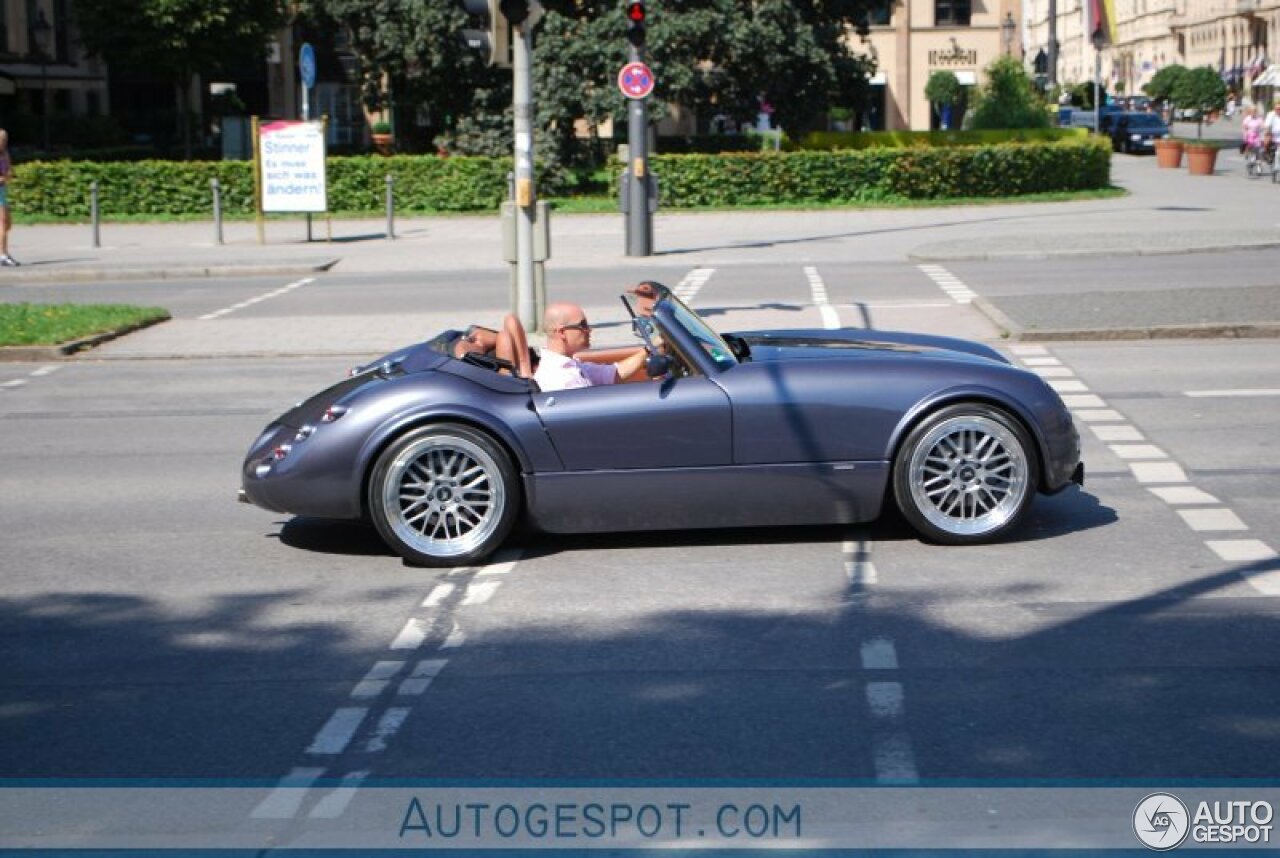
(635, 24)
(494, 41)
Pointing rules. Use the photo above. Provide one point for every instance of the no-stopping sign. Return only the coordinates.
(635, 80)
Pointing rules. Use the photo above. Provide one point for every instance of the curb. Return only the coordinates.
(83, 275)
(1013, 330)
(1039, 255)
(71, 347)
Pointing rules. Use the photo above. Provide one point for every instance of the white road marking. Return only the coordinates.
(1097, 415)
(1241, 550)
(418, 681)
(885, 699)
(858, 566)
(283, 801)
(1117, 433)
(687, 289)
(17, 382)
(1028, 350)
(1138, 451)
(376, 680)
(335, 803)
(251, 301)
(1042, 361)
(335, 735)
(949, 283)
(1212, 519)
(1257, 391)
(390, 723)
(1053, 372)
(893, 758)
(1182, 494)
(879, 654)
(411, 636)
(45, 370)
(438, 594)
(479, 592)
(1068, 386)
(818, 290)
(455, 639)
(1158, 472)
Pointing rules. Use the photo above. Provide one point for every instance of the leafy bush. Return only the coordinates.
(828, 140)
(1008, 99)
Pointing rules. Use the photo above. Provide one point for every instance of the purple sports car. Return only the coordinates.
(444, 453)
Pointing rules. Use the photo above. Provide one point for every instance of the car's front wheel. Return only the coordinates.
(443, 495)
(965, 474)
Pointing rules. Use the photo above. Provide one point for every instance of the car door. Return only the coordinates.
(676, 423)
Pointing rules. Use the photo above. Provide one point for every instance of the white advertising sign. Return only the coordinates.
(293, 170)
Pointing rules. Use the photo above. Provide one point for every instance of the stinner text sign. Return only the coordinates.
(292, 157)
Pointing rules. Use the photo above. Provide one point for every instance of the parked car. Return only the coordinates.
(1137, 132)
(443, 454)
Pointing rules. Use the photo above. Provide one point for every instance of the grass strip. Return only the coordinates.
(50, 324)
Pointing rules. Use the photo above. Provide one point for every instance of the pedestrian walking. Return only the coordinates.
(6, 220)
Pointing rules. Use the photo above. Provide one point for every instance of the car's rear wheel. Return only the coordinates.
(965, 474)
(443, 495)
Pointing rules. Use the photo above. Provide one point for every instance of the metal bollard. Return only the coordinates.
(391, 208)
(217, 209)
(93, 213)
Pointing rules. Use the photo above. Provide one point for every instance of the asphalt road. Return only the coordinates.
(151, 627)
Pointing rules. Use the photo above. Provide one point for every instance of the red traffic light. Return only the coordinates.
(635, 13)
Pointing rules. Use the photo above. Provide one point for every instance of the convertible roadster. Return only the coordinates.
(443, 448)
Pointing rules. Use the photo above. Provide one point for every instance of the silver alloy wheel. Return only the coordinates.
(443, 496)
(969, 475)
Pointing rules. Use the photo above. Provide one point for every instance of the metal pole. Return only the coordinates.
(44, 102)
(93, 213)
(639, 221)
(391, 208)
(217, 209)
(1053, 43)
(1097, 86)
(526, 198)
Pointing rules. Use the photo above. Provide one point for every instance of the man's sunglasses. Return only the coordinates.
(577, 326)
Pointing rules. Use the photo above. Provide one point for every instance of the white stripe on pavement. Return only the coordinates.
(335, 803)
(283, 801)
(336, 734)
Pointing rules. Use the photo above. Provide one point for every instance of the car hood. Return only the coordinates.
(854, 343)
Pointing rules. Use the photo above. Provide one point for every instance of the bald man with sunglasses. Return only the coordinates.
(568, 333)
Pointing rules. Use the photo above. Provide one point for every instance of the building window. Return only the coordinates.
(951, 13)
(879, 13)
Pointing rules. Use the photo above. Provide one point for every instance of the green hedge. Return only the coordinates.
(429, 183)
(872, 175)
(829, 140)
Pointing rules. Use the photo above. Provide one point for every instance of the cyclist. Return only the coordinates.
(1251, 134)
(1271, 131)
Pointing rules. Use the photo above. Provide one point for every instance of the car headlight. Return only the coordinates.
(1135, 136)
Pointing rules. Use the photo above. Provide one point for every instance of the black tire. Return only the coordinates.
(443, 495)
(966, 474)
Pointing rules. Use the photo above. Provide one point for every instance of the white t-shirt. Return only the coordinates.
(557, 372)
(1271, 124)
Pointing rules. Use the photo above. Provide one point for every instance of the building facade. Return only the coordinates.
(911, 39)
(1233, 37)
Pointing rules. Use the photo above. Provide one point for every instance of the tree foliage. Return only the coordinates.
(943, 88)
(1202, 90)
(712, 57)
(1008, 98)
(1163, 82)
(176, 39)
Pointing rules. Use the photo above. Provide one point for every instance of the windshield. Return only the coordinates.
(1145, 121)
(642, 305)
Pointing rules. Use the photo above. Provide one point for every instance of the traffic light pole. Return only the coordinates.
(639, 219)
(526, 198)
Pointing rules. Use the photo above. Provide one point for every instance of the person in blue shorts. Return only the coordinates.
(6, 221)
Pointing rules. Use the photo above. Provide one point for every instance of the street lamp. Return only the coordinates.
(1007, 27)
(41, 34)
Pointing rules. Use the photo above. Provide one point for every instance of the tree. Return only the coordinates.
(178, 39)
(1201, 90)
(1008, 99)
(944, 91)
(1163, 82)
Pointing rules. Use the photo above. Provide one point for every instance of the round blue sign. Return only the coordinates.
(307, 65)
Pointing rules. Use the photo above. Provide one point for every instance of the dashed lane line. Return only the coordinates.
(217, 314)
(286, 799)
(338, 731)
(946, 281)
(687, 289)
(1244, 392)
(818, 290)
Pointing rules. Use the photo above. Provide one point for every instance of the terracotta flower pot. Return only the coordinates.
(1201, 159)
(1169, 153)
(384, 143)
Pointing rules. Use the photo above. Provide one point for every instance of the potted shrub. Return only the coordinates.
(944, 91)
(1202, 91)
(382, 139)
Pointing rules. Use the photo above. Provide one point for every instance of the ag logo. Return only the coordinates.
(1161, 822)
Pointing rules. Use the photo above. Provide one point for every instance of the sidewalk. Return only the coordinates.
(1166, 211)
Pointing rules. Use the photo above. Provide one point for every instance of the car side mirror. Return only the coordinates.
(656, 366)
